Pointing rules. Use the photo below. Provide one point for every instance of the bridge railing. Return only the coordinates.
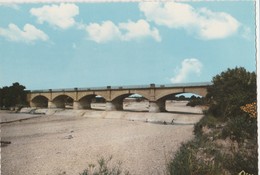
(195, 84)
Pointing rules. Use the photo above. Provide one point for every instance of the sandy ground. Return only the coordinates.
(63, 142)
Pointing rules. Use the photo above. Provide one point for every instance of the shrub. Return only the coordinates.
(207, 120)
(242, 162)
(240, 128)
(197, 101)
(181, 164)
(104, 168)
(196, 157)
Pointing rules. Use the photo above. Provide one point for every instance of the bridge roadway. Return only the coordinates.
(81, 98)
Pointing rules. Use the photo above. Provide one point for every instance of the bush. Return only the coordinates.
(181, 164)
(191, 159)
(240, 128)
(242, 162)
(104, 168)
(207, 120)
(197, 101)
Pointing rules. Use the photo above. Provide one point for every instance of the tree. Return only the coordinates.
(12, 96)
(231, 89)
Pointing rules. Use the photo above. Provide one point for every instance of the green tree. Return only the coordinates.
(12, 96)
(231, 89)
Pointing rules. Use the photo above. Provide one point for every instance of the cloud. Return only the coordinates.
(29, 33)
(139, 29)
(104, 32)
(191, 66)
(61, 16)
(108, 31)
(201, 22)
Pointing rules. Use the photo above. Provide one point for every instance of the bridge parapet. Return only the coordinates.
(160, 86)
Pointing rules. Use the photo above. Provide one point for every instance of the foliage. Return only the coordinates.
(250, 109)
(190, 159)
(207, 121)
(203, 155)
(195, 101)
(230, 90)
(104, 168)
(240, 128)
(228, 145)
(242, 161)
(12, 96)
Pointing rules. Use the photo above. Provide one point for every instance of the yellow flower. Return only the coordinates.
(251, 109)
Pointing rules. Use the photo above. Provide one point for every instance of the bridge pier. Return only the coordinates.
(154, 107)
(110, 106)
(76, 105)
(79, 105)
(114, 106)
(51, 104)
(32, 104)
(158, 106)
(161, 104)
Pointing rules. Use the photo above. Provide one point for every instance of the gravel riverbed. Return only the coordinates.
(56, 144)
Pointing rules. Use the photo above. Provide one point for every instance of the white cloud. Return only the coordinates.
(61, 16)
(108, 31)
(139, 29)
(202, 22)
(104, 32)
(191, 66)
(29, 33)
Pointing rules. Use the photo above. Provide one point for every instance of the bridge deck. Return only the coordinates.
(176, 85)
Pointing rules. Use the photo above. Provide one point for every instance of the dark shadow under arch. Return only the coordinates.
(87, 101)
(63, 101)
(123, 101)
(39, 101)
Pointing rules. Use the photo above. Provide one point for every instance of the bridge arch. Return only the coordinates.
(55, 95)
(62, 101)
(39, 101)
(165, 100)
(86, 101)
(168, 92)
(124, 94)
(118, 101)
(196, 90)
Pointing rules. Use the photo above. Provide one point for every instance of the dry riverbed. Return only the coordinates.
(66, 143)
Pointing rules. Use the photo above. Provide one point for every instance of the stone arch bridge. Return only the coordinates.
(81, 98)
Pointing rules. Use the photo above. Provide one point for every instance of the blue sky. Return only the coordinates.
(67, 45)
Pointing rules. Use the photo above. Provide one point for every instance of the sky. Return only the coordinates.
(67, 45)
